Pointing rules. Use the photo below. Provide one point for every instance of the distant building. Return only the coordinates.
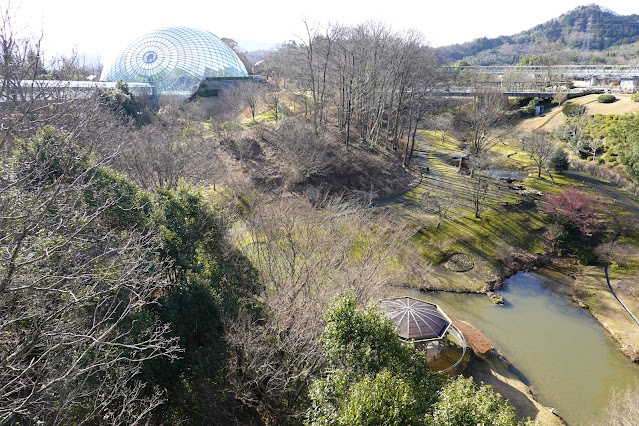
(174, 61)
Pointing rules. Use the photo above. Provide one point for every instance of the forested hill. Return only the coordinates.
(614, 38)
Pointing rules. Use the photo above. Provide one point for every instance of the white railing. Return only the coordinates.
(454, 331)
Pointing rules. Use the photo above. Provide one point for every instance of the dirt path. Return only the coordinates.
(620, 197)
(420, 159)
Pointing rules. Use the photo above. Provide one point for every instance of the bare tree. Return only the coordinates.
(623, 407)
(441, 203)
(540, 147)
(595, 144)
(77, 275)
(233, 103)
(560, 98)
(478, 183)
(317, 46)
(442, 123)
(305, 260)
(242, 95)
(272, 96)
(481, 122)
(251, 94)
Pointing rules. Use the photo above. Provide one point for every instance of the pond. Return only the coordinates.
(563, 354)
(509, 175)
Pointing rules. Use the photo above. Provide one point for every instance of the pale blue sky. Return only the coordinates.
(106, 27)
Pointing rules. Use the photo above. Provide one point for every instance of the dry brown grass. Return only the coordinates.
(591, 288)
(555, 118)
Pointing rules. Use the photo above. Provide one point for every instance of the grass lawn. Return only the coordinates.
(555, 118)
(510, 221)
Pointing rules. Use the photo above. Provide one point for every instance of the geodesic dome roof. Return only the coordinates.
(416, 319)
(175, 60)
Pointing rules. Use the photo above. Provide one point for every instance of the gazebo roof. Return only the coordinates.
(416, 319)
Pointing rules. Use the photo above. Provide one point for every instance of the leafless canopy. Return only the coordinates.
(305, 259)
(74, 285)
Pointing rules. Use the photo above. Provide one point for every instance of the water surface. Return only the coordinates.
(566, 356)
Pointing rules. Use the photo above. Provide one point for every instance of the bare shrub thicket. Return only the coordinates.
(171, 148)
(307, 153)
(615, 177)
(305, 259)
(623, 407)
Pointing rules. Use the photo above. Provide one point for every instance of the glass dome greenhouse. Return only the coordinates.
(174, 60)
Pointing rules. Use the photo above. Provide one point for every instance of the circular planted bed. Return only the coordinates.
(460, 262)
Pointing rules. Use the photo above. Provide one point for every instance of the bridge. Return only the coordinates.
(524, 90)
(567, 71)
(546, 81)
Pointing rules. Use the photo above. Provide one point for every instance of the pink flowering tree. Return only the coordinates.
(576, 210)
(576, 224)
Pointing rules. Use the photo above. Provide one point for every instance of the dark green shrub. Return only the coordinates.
(586, 255)
(634, 97)
(529, 110)
(606, 99)
(207, 92)
(559, 162)
(584, 93)
(571, 110)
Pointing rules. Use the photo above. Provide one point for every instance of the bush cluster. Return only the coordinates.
(606, 99)
(634, 97)
(571, 110)
(460, 262)
(529, 109)
(585, 93)
(559, 161)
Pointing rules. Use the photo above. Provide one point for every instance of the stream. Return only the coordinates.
(559, 350)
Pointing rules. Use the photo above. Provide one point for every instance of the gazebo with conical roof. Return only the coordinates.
(415, 319)
(423, 323)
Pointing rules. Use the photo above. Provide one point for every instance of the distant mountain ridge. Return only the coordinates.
(614, 38)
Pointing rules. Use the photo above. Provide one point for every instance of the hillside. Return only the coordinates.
(614, 38)
(556, 118)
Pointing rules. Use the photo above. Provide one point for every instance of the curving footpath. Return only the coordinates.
(620, 198)
(615, 294)
(420, 156)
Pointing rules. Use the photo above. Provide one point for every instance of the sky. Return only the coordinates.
(101, 29)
